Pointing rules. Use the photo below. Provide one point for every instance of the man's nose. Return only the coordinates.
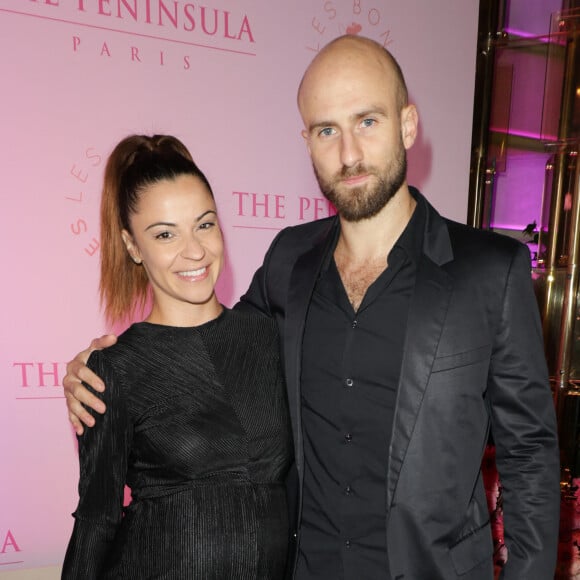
(350, 150)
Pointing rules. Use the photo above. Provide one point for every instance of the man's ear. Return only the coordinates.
(409, 125)
(132, 248)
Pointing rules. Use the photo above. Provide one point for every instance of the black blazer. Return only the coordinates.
(473, 362)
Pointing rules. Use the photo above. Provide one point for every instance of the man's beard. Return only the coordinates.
(359, 203)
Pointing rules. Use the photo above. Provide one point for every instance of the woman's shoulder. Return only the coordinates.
(237, 331)
(245, 322)
(133, 343)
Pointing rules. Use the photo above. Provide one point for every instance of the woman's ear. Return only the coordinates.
(132, 248)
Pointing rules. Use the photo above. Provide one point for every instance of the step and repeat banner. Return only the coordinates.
(76, 76)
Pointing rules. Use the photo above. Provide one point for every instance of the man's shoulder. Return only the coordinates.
(313, 228)
(299, 238)
(466, 240)
(468, 236)
(480, 247)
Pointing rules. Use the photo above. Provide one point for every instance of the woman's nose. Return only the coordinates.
(193, 249)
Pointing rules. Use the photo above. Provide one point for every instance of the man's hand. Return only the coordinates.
(74, 391)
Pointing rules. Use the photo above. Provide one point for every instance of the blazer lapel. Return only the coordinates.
(427, 314)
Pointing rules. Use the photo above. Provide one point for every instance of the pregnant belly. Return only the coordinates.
(210, 531)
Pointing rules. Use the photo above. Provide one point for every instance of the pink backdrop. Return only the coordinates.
(78, 75)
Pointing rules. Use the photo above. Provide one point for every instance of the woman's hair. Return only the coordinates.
(135, 164)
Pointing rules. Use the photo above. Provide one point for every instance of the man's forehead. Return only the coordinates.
(353, 90)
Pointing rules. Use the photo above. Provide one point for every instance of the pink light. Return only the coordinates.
(529, 134)
(526, 34)
(510, 227)
(547, 38)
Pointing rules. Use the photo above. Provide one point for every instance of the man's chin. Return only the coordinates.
(348, 192)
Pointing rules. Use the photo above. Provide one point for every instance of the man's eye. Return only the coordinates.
(368, 122)
(326, 132)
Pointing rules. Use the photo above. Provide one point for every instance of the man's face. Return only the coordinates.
(354, 202)
(354, 130)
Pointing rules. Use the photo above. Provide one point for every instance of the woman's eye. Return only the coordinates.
(163, 236)
(206, 225)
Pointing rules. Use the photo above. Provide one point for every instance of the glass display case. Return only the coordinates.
(525, 183)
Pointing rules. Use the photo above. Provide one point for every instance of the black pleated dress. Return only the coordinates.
(197, 427)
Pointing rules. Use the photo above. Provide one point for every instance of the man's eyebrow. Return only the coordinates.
(374, 110)
(320, 125)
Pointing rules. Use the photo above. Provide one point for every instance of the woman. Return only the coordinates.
(196, 422)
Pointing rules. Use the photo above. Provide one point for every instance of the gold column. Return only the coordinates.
(563, 252)
(491, 18)
(570, 299)
(561, 158)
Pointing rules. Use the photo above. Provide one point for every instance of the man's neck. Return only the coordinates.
(373, 238)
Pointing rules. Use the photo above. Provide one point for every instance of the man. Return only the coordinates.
(406, 339)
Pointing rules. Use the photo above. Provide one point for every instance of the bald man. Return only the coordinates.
(407, 339)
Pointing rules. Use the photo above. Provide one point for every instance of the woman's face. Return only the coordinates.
(175, 234)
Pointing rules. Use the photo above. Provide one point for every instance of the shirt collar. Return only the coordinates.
(410, 241)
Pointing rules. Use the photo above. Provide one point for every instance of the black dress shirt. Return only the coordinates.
(351, 364)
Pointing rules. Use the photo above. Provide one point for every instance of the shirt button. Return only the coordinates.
(347, 543)
(354, 323)
(349, 382)
(348, 490)
(348, 437)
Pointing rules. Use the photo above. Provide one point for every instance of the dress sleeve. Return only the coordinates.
(103, 455)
